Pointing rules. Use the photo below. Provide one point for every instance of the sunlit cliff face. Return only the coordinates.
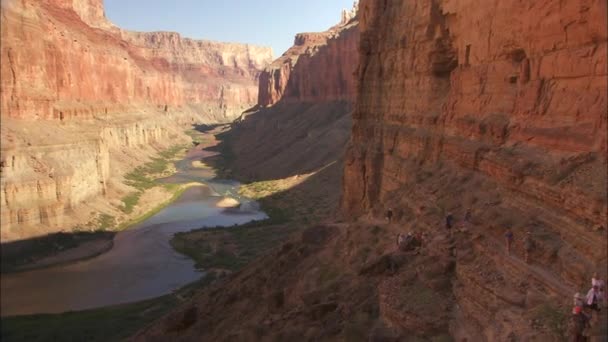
(78, 92)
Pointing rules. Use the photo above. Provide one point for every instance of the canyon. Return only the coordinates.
(83, 102)
(429, 109)
(302, 121)
(499, 110)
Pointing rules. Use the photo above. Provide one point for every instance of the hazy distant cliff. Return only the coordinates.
(302, 122)
(319, 67)
(57, 66)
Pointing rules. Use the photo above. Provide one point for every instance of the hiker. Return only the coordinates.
(595, 280)
(400, 240)
(593, 299)
(578, 323)
(389, 215)
(467, 219)
(528, 246)
(408, 243)
(449, 221)
(579, 300)
(508, 240)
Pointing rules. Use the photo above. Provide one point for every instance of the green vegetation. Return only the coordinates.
(101, 222)
(229, 248)
(106, 222)
(144, 177)
(113, 323)
(130, 201)
(177, 189)
(262, 189)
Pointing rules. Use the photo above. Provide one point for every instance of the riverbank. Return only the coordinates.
(291, 203)
(95, 237)
(219, 251)
(53, 250)
(112, 323)
(108, 323)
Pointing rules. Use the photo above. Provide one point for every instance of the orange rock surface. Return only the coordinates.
(500, 108)
(63, 59)
(496, 106)
(83, 102)
(318, 68)
(302, 121)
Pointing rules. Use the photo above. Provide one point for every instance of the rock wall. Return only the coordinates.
(500, 108)
(84, 101)
(50, 170)
(319, 67)
(68, 67)
(303, 114)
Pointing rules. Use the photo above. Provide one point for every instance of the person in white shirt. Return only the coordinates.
(596, 281)
(593, 298)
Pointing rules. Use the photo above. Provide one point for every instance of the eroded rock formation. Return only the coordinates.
(499, 107)
(303, 120)
(79, 95)
(318, 68)
(68, 68)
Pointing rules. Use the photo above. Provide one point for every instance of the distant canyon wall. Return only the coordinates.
(306, 96)
(319, 67)
(63, 59)
(83, 102)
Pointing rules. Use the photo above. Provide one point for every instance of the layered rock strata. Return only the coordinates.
(319, 67)
(500, 108)
(97, 94)
(302, 121)
(56, 66)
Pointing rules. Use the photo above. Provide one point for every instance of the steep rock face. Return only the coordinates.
(305, 101)
(500, 108)
(431, 89)
(497, 107)
(68, 68)
(319, 67)
(84, 101)
(51, 169)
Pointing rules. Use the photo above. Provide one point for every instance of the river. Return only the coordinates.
(142, 264)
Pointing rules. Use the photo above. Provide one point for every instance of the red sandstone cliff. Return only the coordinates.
(305, 98)
(319, 67)
(83, 102)
(500, 107)
(63, 58)
(497, 106)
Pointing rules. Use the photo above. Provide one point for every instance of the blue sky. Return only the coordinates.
(262, 22)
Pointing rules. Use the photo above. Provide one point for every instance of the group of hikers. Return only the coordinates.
(594, 300)
(409, 241)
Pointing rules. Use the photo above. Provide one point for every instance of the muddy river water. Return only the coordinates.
(142, 264)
